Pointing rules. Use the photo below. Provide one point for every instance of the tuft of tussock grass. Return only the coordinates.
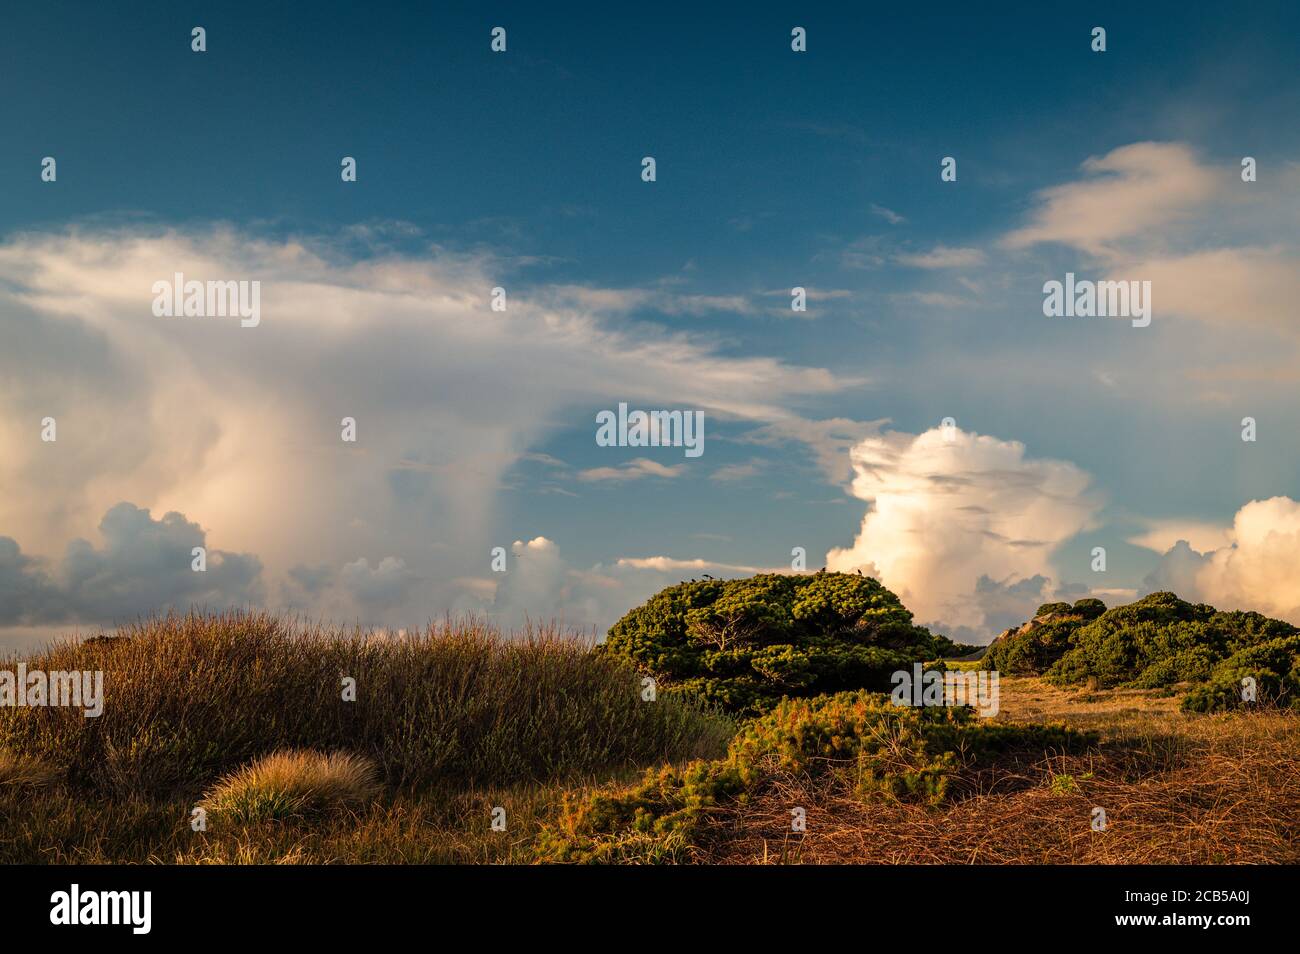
(456, 706)
(24, 771)
(293, 783)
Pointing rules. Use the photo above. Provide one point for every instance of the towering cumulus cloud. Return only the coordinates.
(1258, 570)
(963, 526)
(239, 428)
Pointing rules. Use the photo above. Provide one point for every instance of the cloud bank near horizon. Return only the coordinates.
(239, 428)
(236, 430)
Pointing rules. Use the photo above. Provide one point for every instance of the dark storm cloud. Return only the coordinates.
(145, 566)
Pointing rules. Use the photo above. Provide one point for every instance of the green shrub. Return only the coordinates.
(1275, 667)
(745, 644)
(1033, 651)
(1159, 640)
(880, 749)
(1089, 607)
(1052, 609)
(1038, 645)
(1154, 643)
(947, 649)
(1192, 664)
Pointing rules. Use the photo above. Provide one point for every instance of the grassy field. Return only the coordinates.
(239, 715)
(449, 723)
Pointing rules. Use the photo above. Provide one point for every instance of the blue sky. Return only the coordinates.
(522, 169)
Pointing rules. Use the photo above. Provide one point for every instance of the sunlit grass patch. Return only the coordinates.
(294, 783)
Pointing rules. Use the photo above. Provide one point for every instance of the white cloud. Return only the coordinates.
(813, 294)
(866, 252)
(733, 472)
(697, 305)
(384, 584)
(1215, 250)
(623, 300)
(540, 585)
(962, 526)
(1134, 190)
(671, 564)
(931, 299)
(239, 427)
(889, 215)
(632, 470)
(941, 256)
(1258, 570)
(537, 585)
(1237, 288)
(1161, 535)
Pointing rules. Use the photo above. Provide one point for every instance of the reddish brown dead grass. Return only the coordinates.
(1176, 789)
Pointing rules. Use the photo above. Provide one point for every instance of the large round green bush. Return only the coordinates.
(1157, 642)
(745, 644)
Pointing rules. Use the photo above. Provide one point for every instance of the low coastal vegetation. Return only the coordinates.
(189, 698)
(858, 741)
(1225, 660)
(722, 721)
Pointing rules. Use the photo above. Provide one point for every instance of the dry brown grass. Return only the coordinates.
(62, 827)
(190, 698)
(1177, 789)
(450, 717)
(287, 784)
(25, 771)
